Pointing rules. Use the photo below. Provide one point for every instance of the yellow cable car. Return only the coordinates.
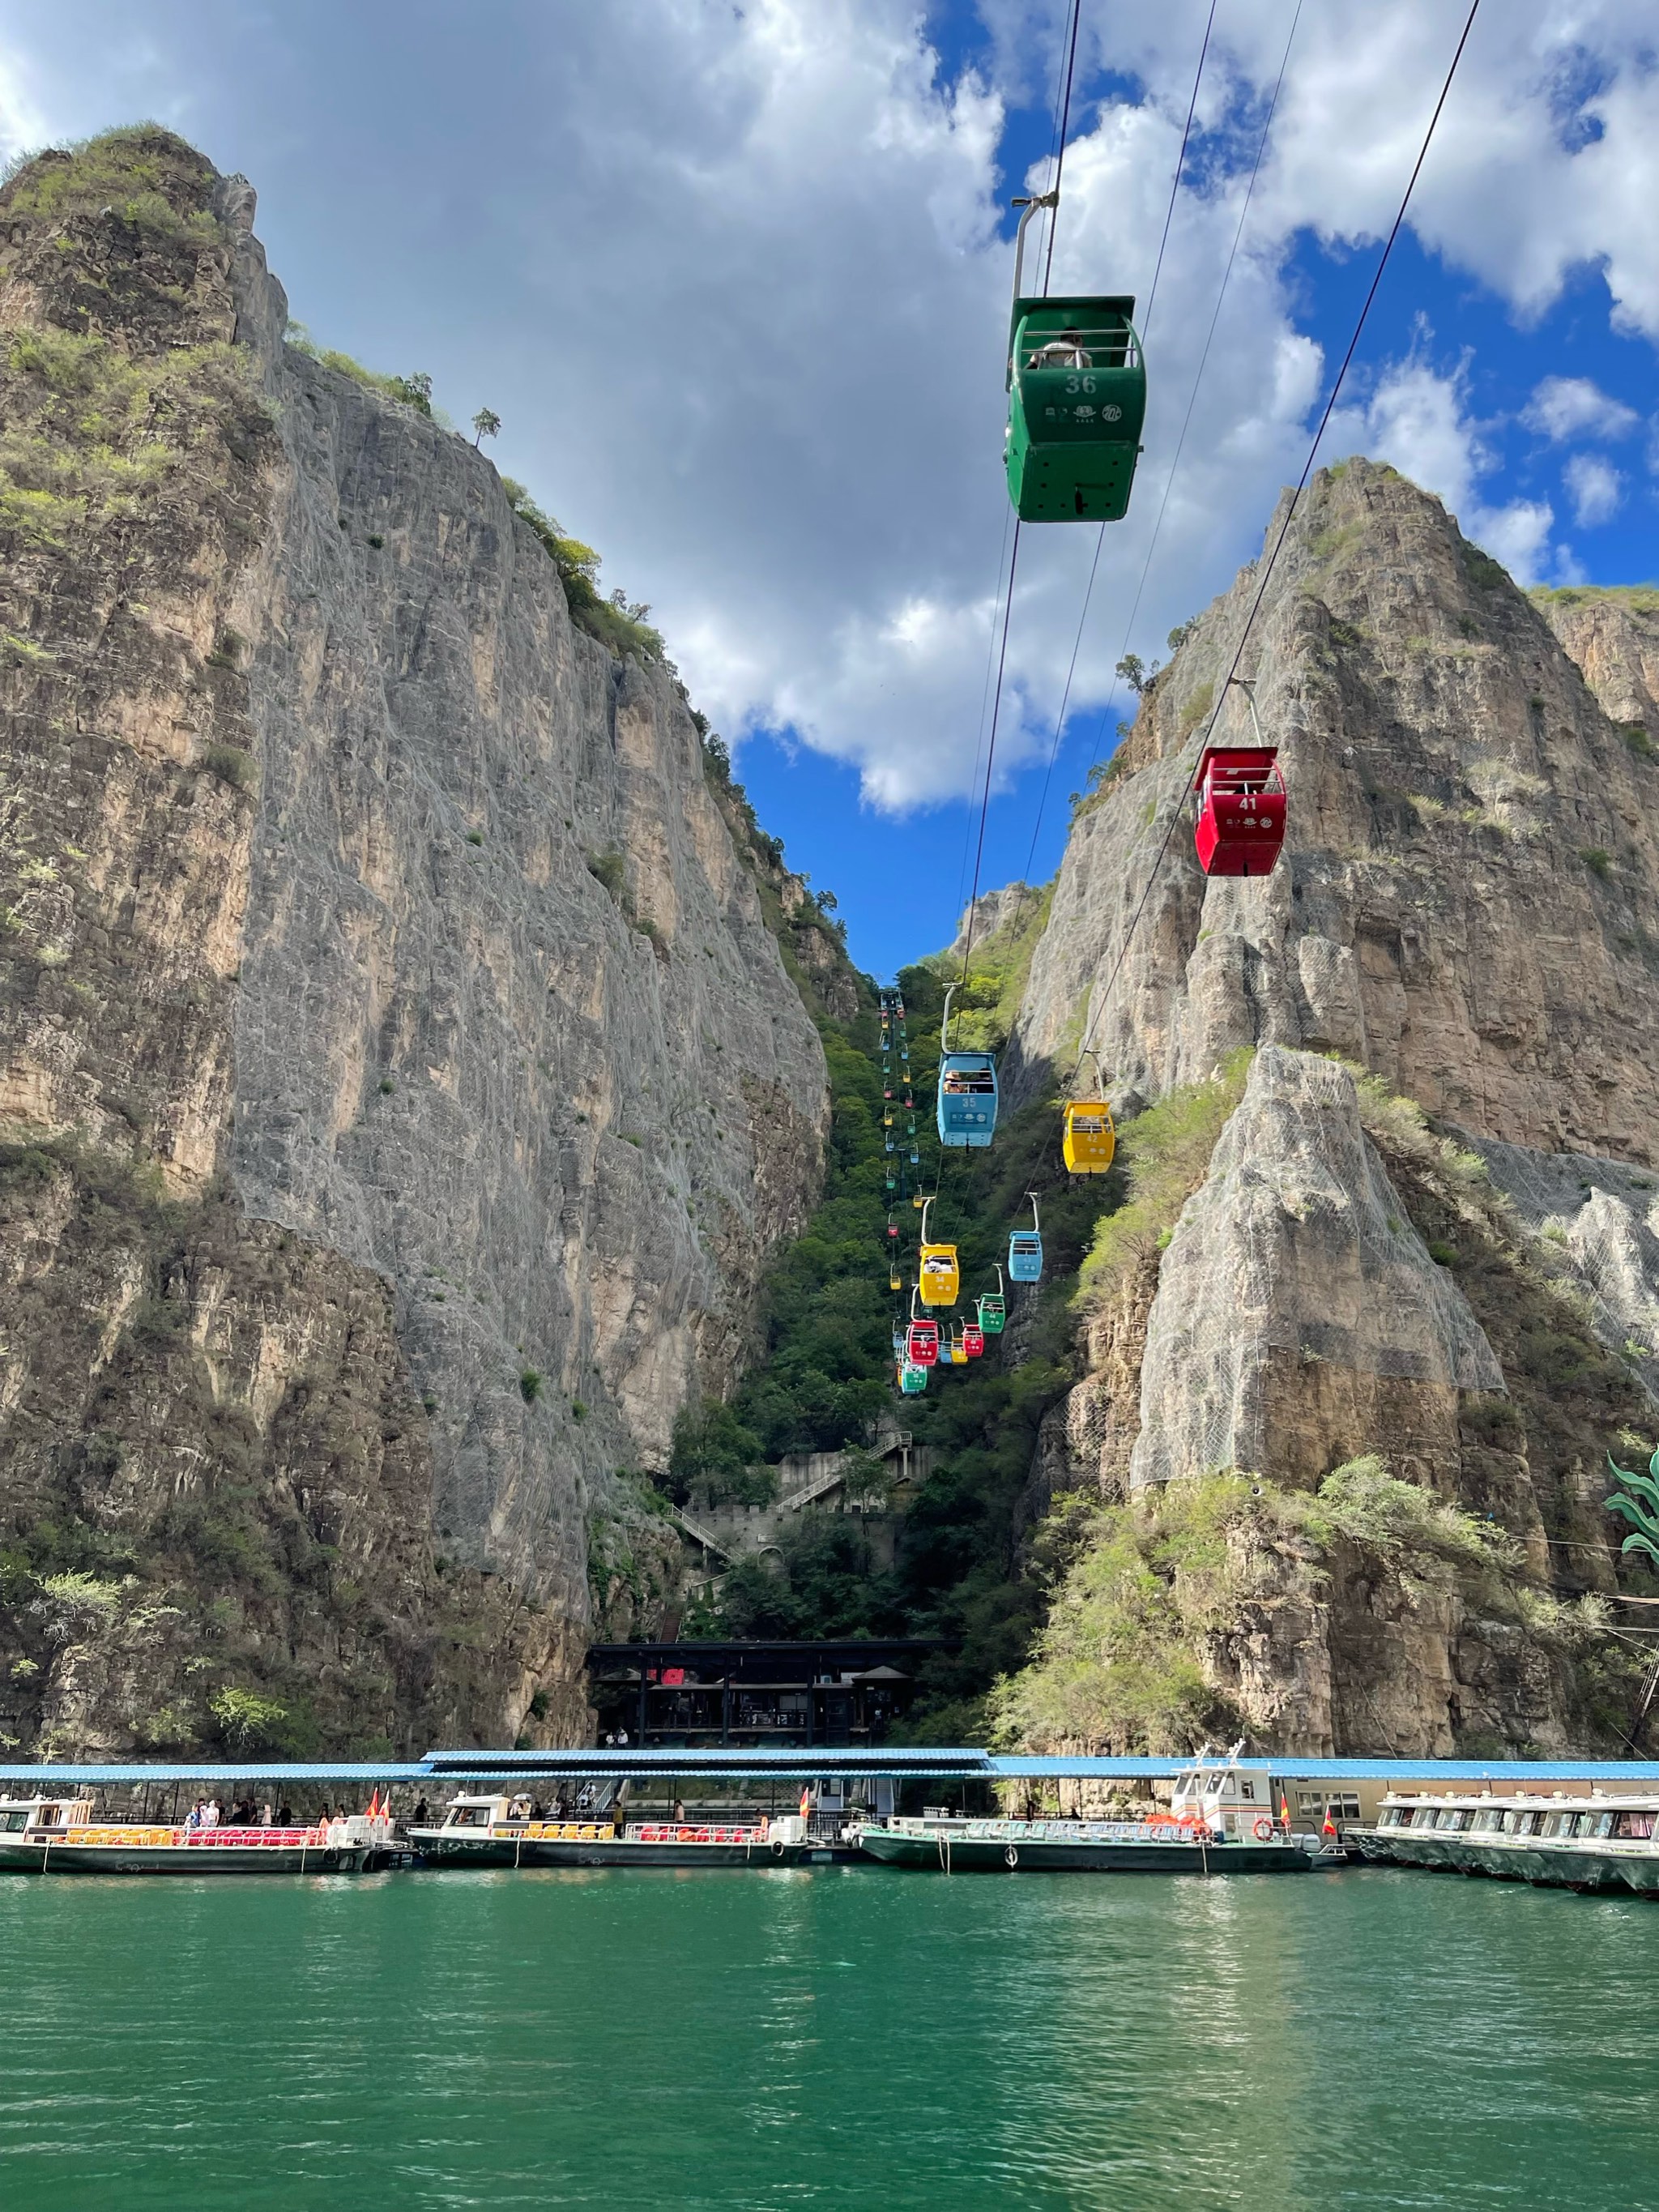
(1089, 1139)
(958, 1349)
(941, 1278)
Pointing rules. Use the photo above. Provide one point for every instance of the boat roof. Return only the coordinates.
(807, 1763)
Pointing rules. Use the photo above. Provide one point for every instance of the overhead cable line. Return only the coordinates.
(1013, 562)
(1100, 535)
(1057, 157)
(1203, 358)
(1060, 159)
(984, 702)
(1290, 516)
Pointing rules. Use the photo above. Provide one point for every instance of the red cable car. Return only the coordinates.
(1241, 810)
(1241, 802)
(921, 1343)
(973, 1340)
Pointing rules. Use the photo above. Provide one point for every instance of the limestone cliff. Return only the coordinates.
(400, 1082)
(1438, 1282)
(1470, 902)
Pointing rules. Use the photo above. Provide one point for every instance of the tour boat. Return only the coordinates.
(60, 1835)
(1216, 1824)
(1597, 1842)
(491, 1831)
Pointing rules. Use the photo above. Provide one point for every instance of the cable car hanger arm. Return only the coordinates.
(1030, 205)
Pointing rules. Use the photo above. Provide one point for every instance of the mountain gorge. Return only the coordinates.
(439, 1137)
(401, 1082)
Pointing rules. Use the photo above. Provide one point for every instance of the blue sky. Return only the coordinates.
(735, 278)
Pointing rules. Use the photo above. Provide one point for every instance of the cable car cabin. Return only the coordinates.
(967, 1113)
(993, 1313)
(912, 1380)
(894, 1280)
(1241, 810)
(1090, 1141)
(1025, 1255)
(958, 1351)
(921, 1343)
(887, 1119)
(973, 1340)
(941, 1278)
(1077, 399)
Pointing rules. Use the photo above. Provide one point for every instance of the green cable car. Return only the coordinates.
(1077, 400)
(994, 1309)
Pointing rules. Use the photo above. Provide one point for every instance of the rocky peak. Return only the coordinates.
(1469, 899)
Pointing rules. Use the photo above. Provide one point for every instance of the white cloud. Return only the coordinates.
(1563, 407)
(1596, 489)
(734, 279)
(22, 123)
(1417, 418)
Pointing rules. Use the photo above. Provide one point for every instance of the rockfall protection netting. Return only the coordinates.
(1596, 1219)
(1296, 1244)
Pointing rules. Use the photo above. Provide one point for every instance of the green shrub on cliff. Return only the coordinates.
(1147, 1596)
(134, 175)
(1165, 1152)
(619, 626)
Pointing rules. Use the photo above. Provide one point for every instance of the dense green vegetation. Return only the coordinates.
(960, 1570)
(1138, 1591)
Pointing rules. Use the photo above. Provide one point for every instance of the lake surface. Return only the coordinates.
(843, 2038)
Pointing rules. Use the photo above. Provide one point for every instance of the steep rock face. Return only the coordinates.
(1299, 1315)
(1469, 898)
(565, 1116)
(370, 950)
(1614, 637)
(1345, 1286)
(1601, 1219)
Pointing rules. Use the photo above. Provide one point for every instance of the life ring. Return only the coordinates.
(1011, 1857)
(777, 1850)
(1261, 1828)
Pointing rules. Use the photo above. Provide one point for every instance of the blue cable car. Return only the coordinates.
(1026, 1250)
(967, 1111)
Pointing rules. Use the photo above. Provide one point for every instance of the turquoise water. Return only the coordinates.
(844, 2039)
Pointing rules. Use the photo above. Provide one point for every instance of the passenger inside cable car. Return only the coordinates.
(966, 1111)
(1077, 399)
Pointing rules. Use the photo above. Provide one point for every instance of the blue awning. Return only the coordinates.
(808, 1764)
